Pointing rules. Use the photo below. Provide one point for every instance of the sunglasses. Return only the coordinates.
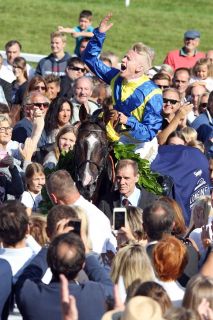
(40, 87)
(39, 105)
(171, 101)
(77, 69)
(17, 67)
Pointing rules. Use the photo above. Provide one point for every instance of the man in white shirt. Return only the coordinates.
(83, 88)
(17, 249)
(62, 190)
(13, 50)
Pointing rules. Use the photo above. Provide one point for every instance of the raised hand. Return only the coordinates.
(68, 303)
(184, 110)
(205, 236)
(28, 149)
(104, 24)
(204, 310)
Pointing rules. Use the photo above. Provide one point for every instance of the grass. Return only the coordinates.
(158, 23)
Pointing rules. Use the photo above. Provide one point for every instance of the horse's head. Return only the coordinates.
(91, 152)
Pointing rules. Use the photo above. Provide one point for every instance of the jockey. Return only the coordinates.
(136, 98)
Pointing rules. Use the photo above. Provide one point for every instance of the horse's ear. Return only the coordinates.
(83, 114)
(101, 123)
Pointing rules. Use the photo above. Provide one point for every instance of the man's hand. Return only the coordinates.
(69, 308)
(204, 310)
(8, 161)
(62, 227)
(104, 24)
(28, 149)
(112, 116)
(122, 118)
(184, 110)
(205, 236)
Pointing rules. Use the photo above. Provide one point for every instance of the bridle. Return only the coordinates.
(101, 167)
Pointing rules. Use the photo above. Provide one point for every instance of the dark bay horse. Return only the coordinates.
(93, 164)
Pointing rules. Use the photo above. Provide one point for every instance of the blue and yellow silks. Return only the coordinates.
(140, 100)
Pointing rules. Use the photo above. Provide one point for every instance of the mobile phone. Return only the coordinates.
(76, 224)
(119, 218)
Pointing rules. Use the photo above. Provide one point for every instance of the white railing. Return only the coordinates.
(30, 57)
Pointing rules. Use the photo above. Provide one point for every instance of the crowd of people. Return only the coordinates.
(73, 263)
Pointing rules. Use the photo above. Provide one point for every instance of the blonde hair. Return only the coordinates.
(32, 169)
(144, 51)
(38, 224)
(203, 62)
(132, 262)
(81, 213)
(197, 144)
(197, 288)
(135, 221)
(190, 134)
(58, 34)
(5, 117)
(167, 69)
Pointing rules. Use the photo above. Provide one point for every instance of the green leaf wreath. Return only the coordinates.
(147, 179)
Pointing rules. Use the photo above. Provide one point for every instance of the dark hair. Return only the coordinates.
(57, 213)
(4, 108)
(34, 82)
(52, 78)
(85, 39)
(161, 76)
(156, 223)
(155, 291)
(66, 255)
(174, 134)
(51, 118)
(179, 228)
(71, 62)
(13, 222)
(11, 43)
(86, 14)
(182, 69)
(22, 64)
(107, 102)
(210, 99)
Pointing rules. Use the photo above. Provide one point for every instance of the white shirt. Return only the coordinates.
(174, 290)
(133, 198)
(92, 106)
(6, 72)
(31, 200)
(100, 232)
(20, 258)
(196, 236)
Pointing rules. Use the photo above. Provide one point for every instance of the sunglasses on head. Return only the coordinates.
(171, 101)
(77, 69)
